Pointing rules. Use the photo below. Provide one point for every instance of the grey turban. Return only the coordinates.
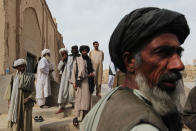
(140, 25)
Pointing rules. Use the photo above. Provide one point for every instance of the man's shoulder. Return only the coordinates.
(124, 102)
(129, 110)
(101, 51)
(79, 59)
(126, 97)
(43, 58)
(193, 92)
(96, 50)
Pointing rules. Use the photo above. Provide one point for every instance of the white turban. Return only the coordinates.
(45, 51)
(63, 49)
(19, 62)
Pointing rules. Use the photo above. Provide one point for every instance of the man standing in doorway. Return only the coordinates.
(43, 89)
(97, 57)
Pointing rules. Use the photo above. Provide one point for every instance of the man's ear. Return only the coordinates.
(129, 62)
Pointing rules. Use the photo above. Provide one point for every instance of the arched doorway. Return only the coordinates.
(31, 38)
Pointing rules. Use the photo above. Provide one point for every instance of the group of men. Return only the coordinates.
(80, 73)
(79, 76)
(146, 47)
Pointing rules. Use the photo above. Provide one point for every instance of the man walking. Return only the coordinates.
(97, 57)
(43, 89)
(146, 45)
(21, 97)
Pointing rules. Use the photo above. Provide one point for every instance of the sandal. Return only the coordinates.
(40, 119)
(36, 119)
(75, 122)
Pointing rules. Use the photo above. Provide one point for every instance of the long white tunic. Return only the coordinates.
(64, 91)
(43, 89)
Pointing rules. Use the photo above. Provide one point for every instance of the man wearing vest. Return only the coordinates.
(146, 45)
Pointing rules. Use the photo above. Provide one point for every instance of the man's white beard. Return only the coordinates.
(162, 102)
(47, 57)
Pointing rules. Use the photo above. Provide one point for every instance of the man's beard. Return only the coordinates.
(163, 102)
(85, 57)
(47, 57)
(74, 53)
(168, 104)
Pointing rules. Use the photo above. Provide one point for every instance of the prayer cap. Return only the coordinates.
(141, 24)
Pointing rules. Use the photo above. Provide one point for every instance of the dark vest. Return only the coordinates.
(124, 110)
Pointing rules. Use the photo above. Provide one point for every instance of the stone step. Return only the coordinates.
(63, 125)
(49, 124)
(51, 112)
(52, 121)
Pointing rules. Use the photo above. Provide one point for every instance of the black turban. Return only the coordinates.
(84, 47)
(140, 25)
(74, 47)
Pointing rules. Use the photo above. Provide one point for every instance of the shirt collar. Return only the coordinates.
(141, 96)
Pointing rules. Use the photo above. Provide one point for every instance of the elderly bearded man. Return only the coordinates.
(66, 91)
(21, 97)
(64, 69)
(44, 69)
(146, 45)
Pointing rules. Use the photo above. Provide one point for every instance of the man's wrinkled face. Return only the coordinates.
(96, 45)
(21, 68)
(161, 62)
(84, 52)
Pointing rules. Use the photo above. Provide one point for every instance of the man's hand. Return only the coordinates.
(74, 86)
(91, 75)
(64, 57)
(26, 100)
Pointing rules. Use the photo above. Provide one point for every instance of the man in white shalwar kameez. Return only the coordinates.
(66, 91)
(43, 89)
(97, 57)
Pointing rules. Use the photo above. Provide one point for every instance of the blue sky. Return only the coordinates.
(84, 21)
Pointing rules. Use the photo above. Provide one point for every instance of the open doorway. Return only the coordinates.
(31, 60)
